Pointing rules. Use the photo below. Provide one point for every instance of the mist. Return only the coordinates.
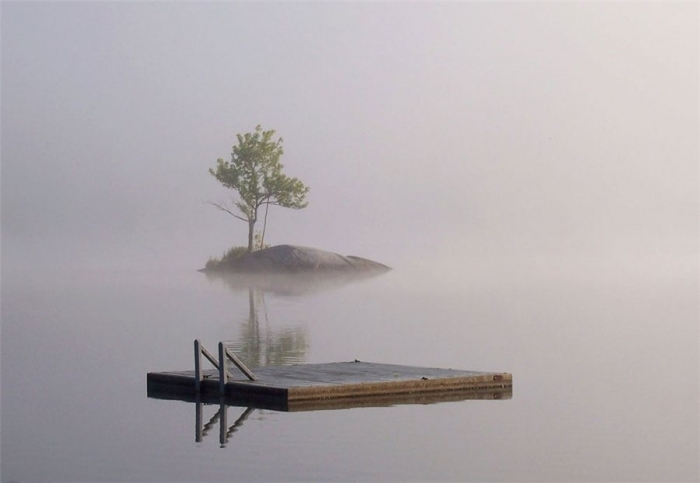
(529, 171)
(462, 137)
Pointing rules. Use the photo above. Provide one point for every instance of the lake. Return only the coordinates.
(604, 363)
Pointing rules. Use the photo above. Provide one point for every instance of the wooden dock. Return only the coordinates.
(330, 385)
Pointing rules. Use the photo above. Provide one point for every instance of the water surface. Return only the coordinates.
(605, 377)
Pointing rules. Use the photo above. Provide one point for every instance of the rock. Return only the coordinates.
(291, 258)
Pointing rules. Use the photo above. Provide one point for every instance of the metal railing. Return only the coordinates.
(220, 364)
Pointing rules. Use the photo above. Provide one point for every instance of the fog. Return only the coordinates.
(470, 136)
(528, 170)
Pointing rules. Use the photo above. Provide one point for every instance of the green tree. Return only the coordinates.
(255, 173)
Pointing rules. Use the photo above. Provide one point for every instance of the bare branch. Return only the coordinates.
(223, 208)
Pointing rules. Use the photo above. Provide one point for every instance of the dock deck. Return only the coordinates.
(307, 385)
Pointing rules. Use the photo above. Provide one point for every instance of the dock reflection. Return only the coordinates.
(226, 431)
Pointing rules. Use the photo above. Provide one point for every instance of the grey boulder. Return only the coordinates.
(292, 258)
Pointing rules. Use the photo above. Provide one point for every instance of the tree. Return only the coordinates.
(255, 173)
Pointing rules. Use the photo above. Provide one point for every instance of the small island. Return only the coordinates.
(292, 259)
(255, 174)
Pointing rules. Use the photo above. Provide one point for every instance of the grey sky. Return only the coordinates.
(499, 129)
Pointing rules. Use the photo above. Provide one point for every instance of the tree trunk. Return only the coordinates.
(251, 231)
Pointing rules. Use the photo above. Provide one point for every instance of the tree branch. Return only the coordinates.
(223, 208)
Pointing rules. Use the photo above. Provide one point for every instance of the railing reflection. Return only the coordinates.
(221, 416)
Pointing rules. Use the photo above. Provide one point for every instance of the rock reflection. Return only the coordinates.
(290, 284)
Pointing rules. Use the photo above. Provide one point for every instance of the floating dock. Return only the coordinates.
(336, 384)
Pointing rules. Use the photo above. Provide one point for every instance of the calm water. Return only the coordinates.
(605, 377)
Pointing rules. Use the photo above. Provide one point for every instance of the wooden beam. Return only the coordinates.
(210, 357)
(239, 364)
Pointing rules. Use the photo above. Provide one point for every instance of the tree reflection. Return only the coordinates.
(260, 345)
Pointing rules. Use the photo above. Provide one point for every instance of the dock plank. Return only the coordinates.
(335, 380)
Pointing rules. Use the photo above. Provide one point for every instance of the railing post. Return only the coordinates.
(197, 365)
(223, 373)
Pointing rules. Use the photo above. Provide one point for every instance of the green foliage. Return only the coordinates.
(212, 263)
(258, 242)
(255, 173)
(227, 258)
(233, 253)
